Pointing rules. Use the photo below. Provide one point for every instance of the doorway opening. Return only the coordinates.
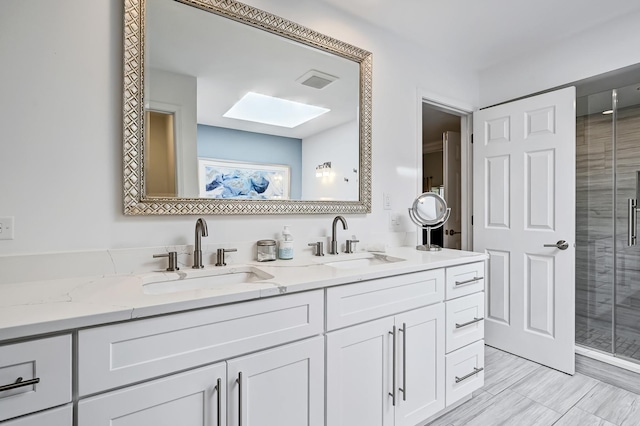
(443, 155)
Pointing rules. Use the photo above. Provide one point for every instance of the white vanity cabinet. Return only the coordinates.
(401, 349)
(388, 371)
(281, 386)
(246, 381)
(464, 330)
(35, 375)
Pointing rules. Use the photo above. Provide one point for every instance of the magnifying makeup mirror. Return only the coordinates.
(429, 211)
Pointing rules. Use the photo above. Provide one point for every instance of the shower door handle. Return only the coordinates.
(632, 216)
(562, 245)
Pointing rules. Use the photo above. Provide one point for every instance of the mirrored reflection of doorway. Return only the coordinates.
(441, 169)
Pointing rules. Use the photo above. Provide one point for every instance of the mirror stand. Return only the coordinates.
(428, 246)
(429, 211)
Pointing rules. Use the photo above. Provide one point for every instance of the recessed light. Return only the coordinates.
(273, 111)
(607, 112)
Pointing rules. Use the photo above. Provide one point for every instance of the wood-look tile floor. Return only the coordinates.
(519, 392)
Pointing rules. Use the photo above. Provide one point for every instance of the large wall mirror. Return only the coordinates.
(231, 110)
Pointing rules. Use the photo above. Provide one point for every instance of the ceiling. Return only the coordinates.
(228, 59)
(483, 33)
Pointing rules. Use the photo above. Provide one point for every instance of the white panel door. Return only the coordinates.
(194, 398)
(420, 365)
(452, 185)
(524, 200)
(283, 386)
(359, 366)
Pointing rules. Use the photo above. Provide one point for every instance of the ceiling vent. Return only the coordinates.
(316, 79)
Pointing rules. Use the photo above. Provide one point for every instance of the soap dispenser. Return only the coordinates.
(285, 247)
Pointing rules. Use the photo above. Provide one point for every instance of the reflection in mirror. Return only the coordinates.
(429, 211)
(248, 101)
(192, 146)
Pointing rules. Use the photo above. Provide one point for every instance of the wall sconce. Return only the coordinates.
(323, 169)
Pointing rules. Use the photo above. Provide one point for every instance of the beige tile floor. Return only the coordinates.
(519, 392)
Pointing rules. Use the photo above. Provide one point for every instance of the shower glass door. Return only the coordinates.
(594, 221)
(607, 266)
(626, 311)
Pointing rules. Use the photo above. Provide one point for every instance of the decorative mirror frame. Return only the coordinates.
(135, 202)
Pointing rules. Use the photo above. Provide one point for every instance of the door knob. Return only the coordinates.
(562, 245)
(452, 232)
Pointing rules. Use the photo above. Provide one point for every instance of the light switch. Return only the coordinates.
(6, 228)
(386, 201)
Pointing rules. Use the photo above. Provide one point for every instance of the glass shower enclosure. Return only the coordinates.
(607, 239)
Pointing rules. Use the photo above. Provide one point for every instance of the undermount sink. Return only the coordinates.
(172, 282)
(363, 261)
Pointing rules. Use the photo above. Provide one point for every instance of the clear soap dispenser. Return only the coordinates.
(285, 247)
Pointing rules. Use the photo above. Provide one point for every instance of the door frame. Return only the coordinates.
(465, 112)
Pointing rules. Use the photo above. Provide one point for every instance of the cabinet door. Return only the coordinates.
(420, 365)
(187, 399)
(283, 386)
(359, 366)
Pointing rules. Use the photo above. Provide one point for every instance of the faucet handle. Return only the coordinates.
(173, 260)
(351, 246)
(319, 249)
(220, 255)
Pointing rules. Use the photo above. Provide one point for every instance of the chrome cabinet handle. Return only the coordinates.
(562, 245)
(392, 394)
(218, 389)
(473, 321)
(473, 373)
(403, 389)
(239, 381)
(632, 215)
(472, 280)
(19, 383)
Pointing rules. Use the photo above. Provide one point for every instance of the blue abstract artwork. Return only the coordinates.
(239, 180)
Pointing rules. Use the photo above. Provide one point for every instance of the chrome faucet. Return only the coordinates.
(201, 231)
(334, 243)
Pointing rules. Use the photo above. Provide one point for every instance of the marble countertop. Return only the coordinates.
(48, 306)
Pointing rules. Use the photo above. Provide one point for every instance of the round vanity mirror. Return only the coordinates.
(430, 208)
(429, 211)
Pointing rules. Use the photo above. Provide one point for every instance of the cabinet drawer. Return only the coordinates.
(48, 360)
(465, 279)
(465, 371)
(62, 416)
(465, 320)
(130, 352)
(356, 303)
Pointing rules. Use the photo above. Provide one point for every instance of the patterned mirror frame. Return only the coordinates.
(135, 203)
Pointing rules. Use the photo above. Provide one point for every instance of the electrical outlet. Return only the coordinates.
(6, 228)
(386, 201)
(394, 221)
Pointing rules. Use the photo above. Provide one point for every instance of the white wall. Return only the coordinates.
(61, 122)
(607, 48)
(332, 146)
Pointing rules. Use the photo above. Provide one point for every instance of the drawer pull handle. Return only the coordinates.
(403, 389)
(239, 381)
(19, 383)
(472, 280)
(218, 389)
(473, 321)
(475, 371)
(393, 363)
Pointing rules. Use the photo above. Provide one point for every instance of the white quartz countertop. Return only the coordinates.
(48, 306)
